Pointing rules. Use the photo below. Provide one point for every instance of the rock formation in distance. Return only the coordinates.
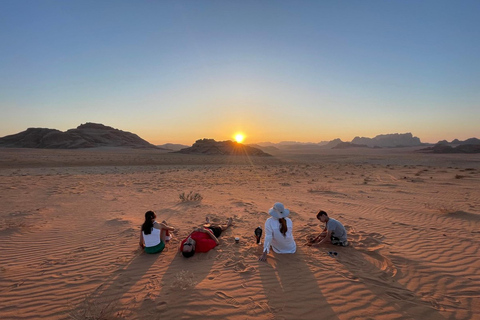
(212, 147)
(88, 135)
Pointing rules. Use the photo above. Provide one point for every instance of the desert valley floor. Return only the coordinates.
(70, 221)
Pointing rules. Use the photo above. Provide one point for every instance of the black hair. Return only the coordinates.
(188, 254)
(148, 224)
(321, 213)
(283, 226)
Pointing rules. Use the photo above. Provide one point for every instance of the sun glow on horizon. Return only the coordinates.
(239, 137)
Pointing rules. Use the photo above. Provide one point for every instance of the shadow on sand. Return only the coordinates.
(378, 274)
(292, 290)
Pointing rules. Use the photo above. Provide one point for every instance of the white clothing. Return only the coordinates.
(152, 239)
(276, 239)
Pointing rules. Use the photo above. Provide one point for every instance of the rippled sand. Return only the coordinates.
(69, 225)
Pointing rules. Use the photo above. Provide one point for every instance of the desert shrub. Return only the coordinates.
(183, 280)
(319, 189)
(190, 197)
(442, 208)
(96, 308)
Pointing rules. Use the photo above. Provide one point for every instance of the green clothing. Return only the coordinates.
(156, 249)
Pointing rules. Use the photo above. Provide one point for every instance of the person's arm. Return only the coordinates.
(327, 238)
(266, 241)
(142, 242)
(210, 233)
(314, 239)
(162, 225)
(320, 236)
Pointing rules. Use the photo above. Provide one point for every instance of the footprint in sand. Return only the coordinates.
(213, 275)
(401, 295)
(230, 300)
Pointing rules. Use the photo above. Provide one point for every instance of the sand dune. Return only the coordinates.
(69, 224)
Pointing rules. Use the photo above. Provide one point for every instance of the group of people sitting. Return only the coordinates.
(278, 234)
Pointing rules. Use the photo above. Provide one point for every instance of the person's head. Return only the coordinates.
(278, 211)
(322, 216)
(148, 224)
(150, 216)
(188, 248)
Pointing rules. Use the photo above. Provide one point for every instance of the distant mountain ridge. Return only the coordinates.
(212, 147)
(457, 142)
(389, 140)
(471, 145)
(88, 135)
(393, 140)
(172, 146)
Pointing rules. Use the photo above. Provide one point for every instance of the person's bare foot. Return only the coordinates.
(229, 222)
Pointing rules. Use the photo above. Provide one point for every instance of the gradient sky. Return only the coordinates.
(178, 71)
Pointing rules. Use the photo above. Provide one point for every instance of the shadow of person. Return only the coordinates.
(178, 287)
(369, 269)
(291, 289)
(106, 296)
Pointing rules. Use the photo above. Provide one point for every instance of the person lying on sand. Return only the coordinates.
(278, 232)
(154, 235)
(203, 239)
(333, 233)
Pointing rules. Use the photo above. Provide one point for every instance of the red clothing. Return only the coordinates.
(203, 242)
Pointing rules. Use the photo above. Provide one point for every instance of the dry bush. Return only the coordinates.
(183, 280)
(440, 208)
(190, 197)
(96, 308)
(12, 225)
(320, 189)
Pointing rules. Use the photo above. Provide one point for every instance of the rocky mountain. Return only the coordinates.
(457, 142)
(210, 146)
(389, 140)
(442, 148)
(471, 145)
(381, 141)
(295, 145)
(348, 145)
(332, 144)
(172, 146)
(88, 135)
(267, 149)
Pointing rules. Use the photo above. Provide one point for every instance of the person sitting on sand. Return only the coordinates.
(154, 235)
(333, 233)
(278, 232)
(203, 239)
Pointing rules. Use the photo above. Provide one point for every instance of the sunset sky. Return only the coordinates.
(178, 71)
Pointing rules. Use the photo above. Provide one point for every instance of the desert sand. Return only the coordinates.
(70, 221)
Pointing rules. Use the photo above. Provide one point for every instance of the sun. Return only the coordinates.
(239, 137)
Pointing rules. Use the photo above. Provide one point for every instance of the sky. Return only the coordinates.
(307, 71)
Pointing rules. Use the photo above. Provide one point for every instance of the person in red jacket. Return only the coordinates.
(203, 239)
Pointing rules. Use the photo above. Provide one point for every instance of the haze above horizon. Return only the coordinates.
(175, 72)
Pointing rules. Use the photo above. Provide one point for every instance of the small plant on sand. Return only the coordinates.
(190, 197)
(184, 280)
(440, 208)
(95, 308)
(319, 189)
